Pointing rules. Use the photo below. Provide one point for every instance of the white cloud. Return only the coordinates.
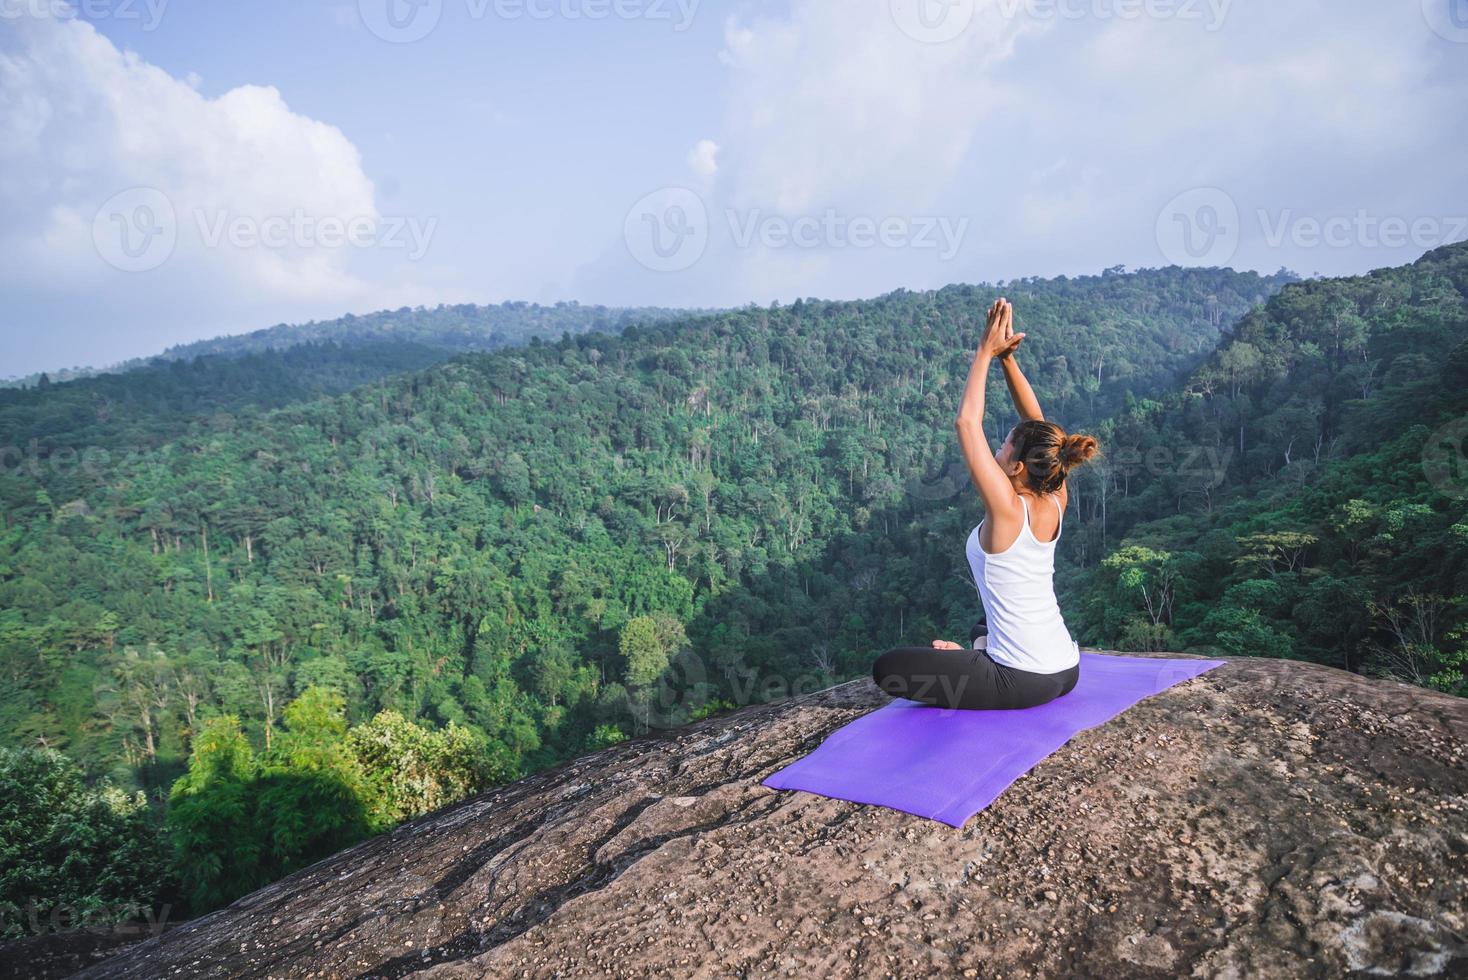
(82, 121)
(1311, 109)
(834, 116)
(1061, 131)
(834, 104)
(703, 158)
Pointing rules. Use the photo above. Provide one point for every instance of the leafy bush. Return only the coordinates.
(71, 854)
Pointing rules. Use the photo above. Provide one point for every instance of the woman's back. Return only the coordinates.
(1031, 657)
(1017, 588)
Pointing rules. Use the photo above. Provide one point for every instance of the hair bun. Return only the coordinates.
(1077, 449)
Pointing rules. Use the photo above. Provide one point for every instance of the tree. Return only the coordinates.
(142, 684)
(1149, 575)
(642, 649)
(1274, 552)
(412, 770)
(218, 854)
(72, 856)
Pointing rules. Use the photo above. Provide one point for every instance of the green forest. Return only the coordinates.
(248, 616)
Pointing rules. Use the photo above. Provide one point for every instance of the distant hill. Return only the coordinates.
(461, 328)
(449, 328)
(146, 402)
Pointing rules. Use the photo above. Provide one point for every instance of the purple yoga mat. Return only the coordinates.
(948, 764)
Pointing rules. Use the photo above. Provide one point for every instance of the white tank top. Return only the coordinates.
(1017, 588)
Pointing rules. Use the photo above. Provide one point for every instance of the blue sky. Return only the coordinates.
(173, 171)
(506, 131)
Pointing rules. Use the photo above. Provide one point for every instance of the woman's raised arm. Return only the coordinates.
(989, 479)
(1020, 391)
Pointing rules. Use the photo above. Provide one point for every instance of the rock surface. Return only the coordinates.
(1269, 818)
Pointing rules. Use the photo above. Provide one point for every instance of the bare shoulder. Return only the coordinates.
(1002, 522)
(1006, 508)
(1004, 515)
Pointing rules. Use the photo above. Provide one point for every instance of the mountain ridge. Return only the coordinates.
(457, 327)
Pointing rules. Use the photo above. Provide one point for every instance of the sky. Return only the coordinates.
(172, 171)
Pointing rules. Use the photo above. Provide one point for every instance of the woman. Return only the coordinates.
(1028, 657)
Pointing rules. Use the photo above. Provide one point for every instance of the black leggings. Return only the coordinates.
(966, 679)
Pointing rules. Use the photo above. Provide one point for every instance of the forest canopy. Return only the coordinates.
(519, 555)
